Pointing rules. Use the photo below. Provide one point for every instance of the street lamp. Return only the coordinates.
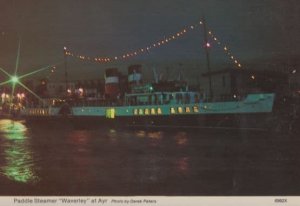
(14, 79)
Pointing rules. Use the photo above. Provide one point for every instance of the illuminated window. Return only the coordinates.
(196, 109)
(110, 113)
(147, 112)
(153, 111)
(159, 111)
(187, 110)
(141, 112)
(135, 111)
(180, 110)
(173, 111)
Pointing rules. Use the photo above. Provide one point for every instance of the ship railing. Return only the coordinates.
(96, 103)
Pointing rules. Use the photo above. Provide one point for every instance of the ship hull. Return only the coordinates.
(253, 112)
(261, 122)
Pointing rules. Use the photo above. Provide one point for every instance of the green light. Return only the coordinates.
(19, 162)
(14, 79)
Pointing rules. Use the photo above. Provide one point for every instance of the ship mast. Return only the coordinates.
(207, 46)
(66, 72)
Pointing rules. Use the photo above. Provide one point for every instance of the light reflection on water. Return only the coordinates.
(182, 165)
(18, 159)
(90, 158)
(181, 138)
(107, 161)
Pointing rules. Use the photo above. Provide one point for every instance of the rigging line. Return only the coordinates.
(142, 50)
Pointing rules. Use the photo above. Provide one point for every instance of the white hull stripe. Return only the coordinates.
(134, 77)
(109, 80)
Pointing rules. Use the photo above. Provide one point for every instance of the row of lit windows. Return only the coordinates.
(173, 110)
(180, 110)
(147, 111)
(39, 112)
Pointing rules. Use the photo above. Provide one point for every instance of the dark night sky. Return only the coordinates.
(253, 29)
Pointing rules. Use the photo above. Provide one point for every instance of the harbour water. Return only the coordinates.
(45, 160)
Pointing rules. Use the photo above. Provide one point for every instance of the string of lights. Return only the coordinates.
(154, 45)
(225, 49)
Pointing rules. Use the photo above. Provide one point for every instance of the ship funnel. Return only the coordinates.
(135, 74)
(112, 87)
